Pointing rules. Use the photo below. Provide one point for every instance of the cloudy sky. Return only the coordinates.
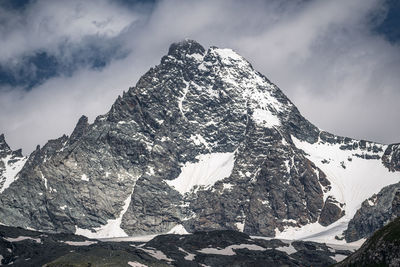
(338, 61)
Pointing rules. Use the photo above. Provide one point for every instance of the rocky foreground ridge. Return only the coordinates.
(19, 247)
(202, 142)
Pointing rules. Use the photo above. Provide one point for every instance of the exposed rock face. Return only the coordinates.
(374, 213)
(331, 212)
(11, 163)
(391, 158)
(202, 140)
(381, 249)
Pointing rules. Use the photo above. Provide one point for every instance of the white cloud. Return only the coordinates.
(320, 53)
(46, 24)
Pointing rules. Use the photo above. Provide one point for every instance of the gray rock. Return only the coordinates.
(391, 157)
(331, 212)
(374, 213)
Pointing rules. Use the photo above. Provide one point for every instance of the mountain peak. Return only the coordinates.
(80, 128)
(186, 47)
(3, 144)
(203, 127)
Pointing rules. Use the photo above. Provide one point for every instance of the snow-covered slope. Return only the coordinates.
(355, 171)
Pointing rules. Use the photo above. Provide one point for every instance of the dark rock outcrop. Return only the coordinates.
(331, 212)
(20, 247)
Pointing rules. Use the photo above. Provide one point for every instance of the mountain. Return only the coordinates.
(202, 142)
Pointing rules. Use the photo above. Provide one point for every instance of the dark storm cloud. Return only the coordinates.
(342, 75)
(387, 22)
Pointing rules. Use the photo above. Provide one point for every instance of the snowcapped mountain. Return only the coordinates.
(202, 142)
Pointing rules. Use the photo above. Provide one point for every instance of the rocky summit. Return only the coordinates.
(202, 142)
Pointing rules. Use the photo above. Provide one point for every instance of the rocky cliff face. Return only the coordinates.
(203, 141)
(374, 213)
(11, 163)
(391, 158)
(381, 249)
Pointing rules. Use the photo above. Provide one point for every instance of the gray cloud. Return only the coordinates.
(322, 54)
(44, 24)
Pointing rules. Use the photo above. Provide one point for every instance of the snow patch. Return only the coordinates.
(202, 67)
(289, 221)
(338, 257)
(240, 226)
(228, 251)
(136, 264)
(230, 57)
(189, 256)
(159, 255)
(372, 200)
(265, 118)
(80, 243)
(265, 202)
(196, 56)
(227, 186)
(11, 171)
(178, 230)
(43, 179)
(199, 140)
(287, 164)
(180, 101)
(209, 169)
(111, 229)
(22, 238)
(141, 238)
(84, 178)
(288, 250)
